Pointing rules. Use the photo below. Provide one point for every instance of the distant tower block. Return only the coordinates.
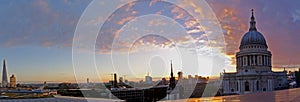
(179, 75)
(4, 75)
(148, 79)
(87, 80)
(121, 79)
(13, 81)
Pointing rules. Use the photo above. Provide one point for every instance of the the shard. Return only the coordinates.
(4, 75)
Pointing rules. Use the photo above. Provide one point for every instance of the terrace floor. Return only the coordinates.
(289, 95)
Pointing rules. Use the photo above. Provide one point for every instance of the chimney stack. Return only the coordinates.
(115, 81)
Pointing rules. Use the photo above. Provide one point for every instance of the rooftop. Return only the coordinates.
(289, 95)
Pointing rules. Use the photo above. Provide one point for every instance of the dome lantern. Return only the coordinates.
(252, 22)
(253, 37)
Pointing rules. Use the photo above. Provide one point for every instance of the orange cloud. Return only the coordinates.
(233, 28)
(178, 13)
(122, 21)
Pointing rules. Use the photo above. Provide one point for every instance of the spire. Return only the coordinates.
(172, 79)
(171, 69)
(4, 75)
(252, 22)
(4, 63)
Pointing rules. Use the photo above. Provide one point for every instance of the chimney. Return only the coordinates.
(115, 81)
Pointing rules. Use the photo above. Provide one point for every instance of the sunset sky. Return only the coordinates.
(36, 37)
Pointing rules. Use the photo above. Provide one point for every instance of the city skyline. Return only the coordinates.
(39, 47)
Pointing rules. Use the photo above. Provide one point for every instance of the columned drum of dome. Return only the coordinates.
(253, 66)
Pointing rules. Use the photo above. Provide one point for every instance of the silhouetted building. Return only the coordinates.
(115, 84)
(121, 79)
(172, 79)
(141, 95)
(190, 76)
(12, 81)
(163, 81)
(180, 76)
(4, 75)
(297, 77)
(148, 79)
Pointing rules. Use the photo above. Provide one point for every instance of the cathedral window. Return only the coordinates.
(263, 60)
(257, 85)
(237, 86)
(259, 58)
(269, 61)
(255, 60)
(247, 87)
(245, 61)
(238, 61)
(249, 60)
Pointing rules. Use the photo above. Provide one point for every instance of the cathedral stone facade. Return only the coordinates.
(253, 67)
